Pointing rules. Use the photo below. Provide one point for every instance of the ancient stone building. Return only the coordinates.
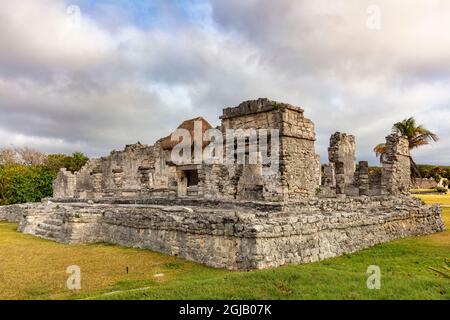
(248, 194)
(146, 171)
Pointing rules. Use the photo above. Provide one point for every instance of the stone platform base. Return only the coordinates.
(233, 235)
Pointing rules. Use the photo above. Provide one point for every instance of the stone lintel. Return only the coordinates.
(257, 106)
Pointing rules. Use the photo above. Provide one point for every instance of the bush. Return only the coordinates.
(441, 190)
(21, 184)
(72, 163)
(32, 180)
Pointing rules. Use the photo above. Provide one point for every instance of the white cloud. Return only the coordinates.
(99, 87)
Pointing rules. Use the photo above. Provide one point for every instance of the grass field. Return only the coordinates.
(444, 200)
(32, 268)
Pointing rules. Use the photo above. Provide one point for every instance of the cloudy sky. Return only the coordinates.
(96, 75)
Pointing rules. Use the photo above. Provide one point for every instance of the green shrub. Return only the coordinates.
(445, 182)
(72, 163)
(441, 190)
(20, 184)
(318, 191)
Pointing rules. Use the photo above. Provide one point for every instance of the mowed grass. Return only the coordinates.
(443, 199)
(32, 268)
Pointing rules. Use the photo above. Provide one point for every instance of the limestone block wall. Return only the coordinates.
(425, 183)
(239, 237)
(84, 180)
(128, 163)
(136, 170)
(299, 168)
(299, 165)
(146, 171)
(14, 213)
(65, 184)
(321, 236)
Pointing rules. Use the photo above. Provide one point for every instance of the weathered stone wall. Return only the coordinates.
(299, 163)
(14, 213)
(319, 236)
(238, 215)
(84, 180)
(145, 171)
(235, 236)
(299, 170)
(132, 169)
(138, 170)
(424, 183)
(299, 167)
(340, 178)
(65, 185)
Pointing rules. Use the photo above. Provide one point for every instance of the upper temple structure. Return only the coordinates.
(251, 193)
(146, 171)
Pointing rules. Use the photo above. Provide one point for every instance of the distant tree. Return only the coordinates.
(445, 182)
(417, 136)
(72, 163)
(55, 162)
(27, 175)
(425, 172)
(8, 156)
(437, 173)
(31, 157)
(76, 161)
(437, 178)
(447, 173)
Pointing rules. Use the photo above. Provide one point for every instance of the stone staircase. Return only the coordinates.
(44, 222)
(63, 223)
(50, 228)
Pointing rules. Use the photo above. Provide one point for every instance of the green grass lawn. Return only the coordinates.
(32, 268)
(443, 199)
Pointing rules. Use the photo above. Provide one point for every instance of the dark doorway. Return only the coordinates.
(192, 177)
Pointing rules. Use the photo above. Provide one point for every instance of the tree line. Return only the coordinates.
(27, 175)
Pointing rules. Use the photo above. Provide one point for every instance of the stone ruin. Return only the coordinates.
(143, 172)
(237, 216)
(427, 183)
(340, 177)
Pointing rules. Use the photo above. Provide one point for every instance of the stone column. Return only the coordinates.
(342, 152)
(329, 176)
(97, 185)
(396, 172)
(363, 178)
(340, 178)
(118, 181)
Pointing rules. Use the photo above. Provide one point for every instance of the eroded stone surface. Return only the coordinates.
(234, 216)
(237, 237)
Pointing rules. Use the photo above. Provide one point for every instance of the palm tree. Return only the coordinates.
(417, 136)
